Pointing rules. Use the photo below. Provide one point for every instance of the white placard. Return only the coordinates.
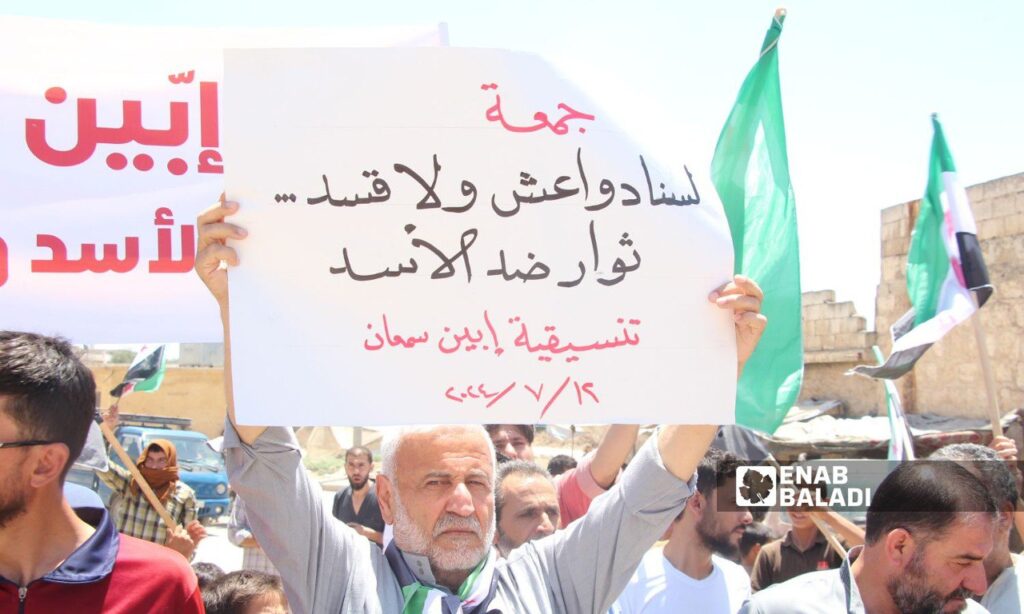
(110, 146)
(460, 236)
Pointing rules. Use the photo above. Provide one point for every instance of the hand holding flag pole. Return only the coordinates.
(118, 449)
(986, 368)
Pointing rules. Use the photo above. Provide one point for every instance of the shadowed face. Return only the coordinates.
(943, 573)
(442, 505)
(721, 531)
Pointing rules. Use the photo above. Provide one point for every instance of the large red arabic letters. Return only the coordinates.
(165, 262)
(59, 262)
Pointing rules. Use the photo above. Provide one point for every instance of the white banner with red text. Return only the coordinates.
(111, 145)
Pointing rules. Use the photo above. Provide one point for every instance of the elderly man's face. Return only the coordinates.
(529, 511)
(443, 503)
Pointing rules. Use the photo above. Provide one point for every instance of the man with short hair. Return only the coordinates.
(929, 529)
(560, 463)
(54, 558)
(578, 485)
(436, 490)
(356, 505)
(525, 505)
(246, 592)
(801, 550)
(1003, 569)
(693, 568)
(512, 441)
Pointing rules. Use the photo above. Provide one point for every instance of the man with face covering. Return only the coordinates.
(133, 515)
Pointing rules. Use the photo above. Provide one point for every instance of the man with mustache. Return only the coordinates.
(357, 504)
(436, 489)
(692, 568)
(55, 558)
(929, 528)
(525, 503)
(578, 485)
(1004, 569)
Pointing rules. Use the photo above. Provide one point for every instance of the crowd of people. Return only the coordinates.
(461, 519)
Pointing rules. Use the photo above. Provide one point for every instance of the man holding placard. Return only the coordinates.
(436, 490)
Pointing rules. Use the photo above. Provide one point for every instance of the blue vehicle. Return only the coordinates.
(198, 465)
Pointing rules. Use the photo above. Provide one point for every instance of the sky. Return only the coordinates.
(859, 82)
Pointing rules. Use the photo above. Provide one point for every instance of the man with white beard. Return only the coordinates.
(436, 489)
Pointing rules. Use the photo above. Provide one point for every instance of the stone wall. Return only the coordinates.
(197, 394)
(948, 379)
(836, 340)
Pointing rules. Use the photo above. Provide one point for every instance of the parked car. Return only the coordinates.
(199, 465)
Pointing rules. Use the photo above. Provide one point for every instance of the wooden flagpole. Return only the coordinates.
(116, 446)
(986, 368)
(827, 532)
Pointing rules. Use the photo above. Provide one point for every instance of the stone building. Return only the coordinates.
(948, 379)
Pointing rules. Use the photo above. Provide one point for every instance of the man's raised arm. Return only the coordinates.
(682, 447)
(212, 250)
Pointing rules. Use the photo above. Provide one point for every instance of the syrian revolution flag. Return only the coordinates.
(145, 373)
(945, 264)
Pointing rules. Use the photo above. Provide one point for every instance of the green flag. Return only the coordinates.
(750, 170)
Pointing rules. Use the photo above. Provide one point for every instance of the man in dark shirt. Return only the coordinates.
(357, 505)
(803, 549)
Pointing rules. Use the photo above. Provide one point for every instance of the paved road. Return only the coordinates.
(218, 550)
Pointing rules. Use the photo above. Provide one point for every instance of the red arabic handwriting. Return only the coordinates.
(165, 261)
(131, 130)
(486, 338)
(560, 127)
(475, 392)
(3, 262)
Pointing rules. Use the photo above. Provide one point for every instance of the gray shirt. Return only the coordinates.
(327, 567)
(820, 592)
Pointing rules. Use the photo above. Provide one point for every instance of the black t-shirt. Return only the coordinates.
(369, 514)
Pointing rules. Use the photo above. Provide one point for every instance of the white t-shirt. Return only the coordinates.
(1007, 592)
(658, 587)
